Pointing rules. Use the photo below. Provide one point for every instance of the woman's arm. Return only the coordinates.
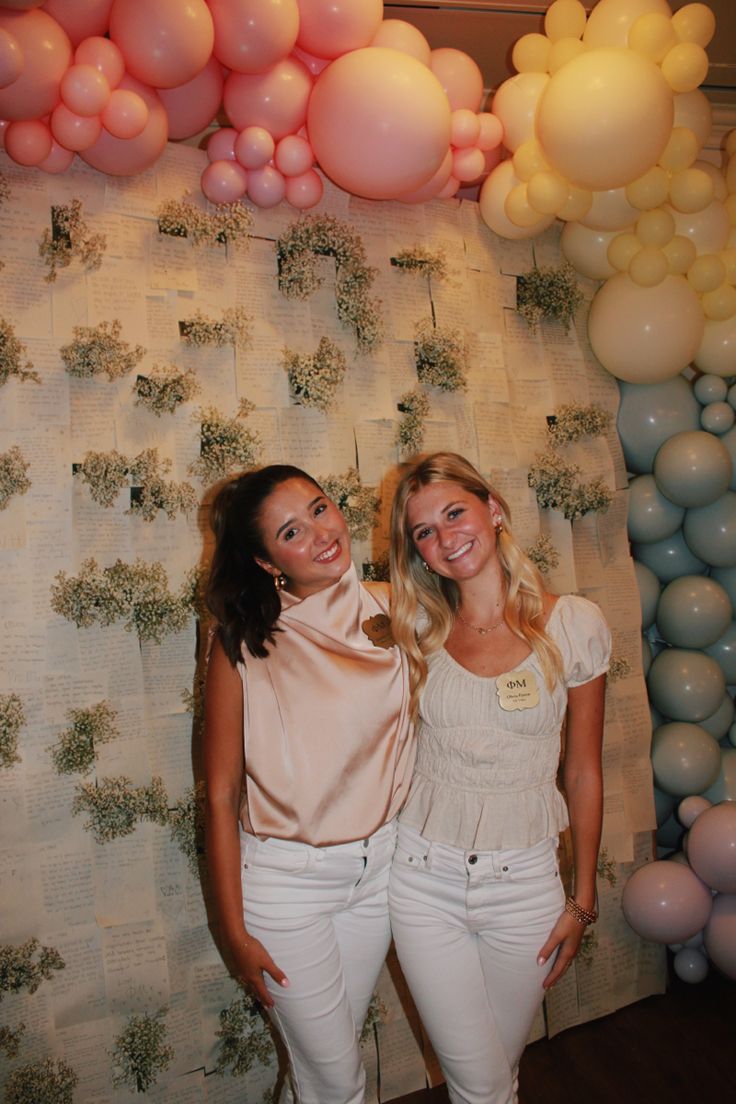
(583, 782)
(223, 766)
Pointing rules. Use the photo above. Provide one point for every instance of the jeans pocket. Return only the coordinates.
(411, 850)
(538, 863)
(275, 855)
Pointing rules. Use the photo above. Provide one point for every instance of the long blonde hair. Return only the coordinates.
(414, 587)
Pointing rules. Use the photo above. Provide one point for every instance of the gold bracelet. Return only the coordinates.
(583, 916)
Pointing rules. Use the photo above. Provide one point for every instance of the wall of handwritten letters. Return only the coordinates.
(128, 916)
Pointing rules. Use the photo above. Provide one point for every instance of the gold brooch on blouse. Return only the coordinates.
(378, 630)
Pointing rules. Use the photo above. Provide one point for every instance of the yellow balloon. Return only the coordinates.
(731, 173)
(622, 250)
(547, 192)
(530, 54)
(693, 110)
(587, 250)
(648, 267)
(729, 205)
(717, 350)
(650, 190)
(685, 67)
(645, 335)
(680, 253)
(728, 256)
(529, 159)
(681, 149)
(655, 228)
(518, 209)
(562, 51)
(706, 273)
(496, 187)
(694, 23)
(515, 104)
(605, 118)
(720, 191)
(652, 35)
(691, 190)
(720, 303)
(564, 19)
(610, 210)
(577, 205)
(610, 21)
(731, 143)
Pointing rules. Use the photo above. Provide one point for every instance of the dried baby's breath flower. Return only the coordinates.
(221, 223)
(419, 261)
(10, 1039)
(550, 293)
(322, 235)
(313, 380)
(556, 485)
(68, 238)
(105, 473)
(440, 356)
(115, 805)
(192, 592)
(18, 970)
(234, 328)
(165, 388)
(186, 824)
(414, 408)
(572, 422)
(619, 668)
(359, 504)
(194, 702)
(13, 478)
(244, 1037)
(95, 350)
(12, 719)
(607, 867)
(49, 1082)
(377, 571)
(226, 444)
(376, 1014)
(12, 356)
(151, 492)
(89, 728)
(543, 554)
(141, 1053)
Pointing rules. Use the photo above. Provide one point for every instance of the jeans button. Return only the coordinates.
(472, 859)
(504, 868)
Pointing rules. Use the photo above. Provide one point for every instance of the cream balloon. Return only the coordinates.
(397, 34)
(720, 189)
(515, 104)
(590, 120)
(707, 229)
(717, 350)
(587, 250)
(681, 149)
(645, 335)
(610, 210)
(693, 110)
(492, 200)
(562, 51)
(610, 21)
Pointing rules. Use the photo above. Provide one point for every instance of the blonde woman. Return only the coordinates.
(480, 920)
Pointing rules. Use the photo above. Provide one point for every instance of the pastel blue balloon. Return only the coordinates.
(685, 759)
(726, 576)
(648, 585)
(710, 389)
(732, 735)
(671, 833)
(649, 414)
(693, 468)
(710, 531)
(652, 517)
(690, 965)
(729, 440)
(693, 611)
(646, 655)
(723, 652)
(685, 685)
(724, 787)
(717, 417)
(720, 722)
(731, 396)
(664, 806)
(668, 558)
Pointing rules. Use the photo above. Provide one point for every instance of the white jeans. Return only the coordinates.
(322, 914)
(468, 926)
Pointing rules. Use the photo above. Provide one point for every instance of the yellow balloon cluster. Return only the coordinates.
(605, 123)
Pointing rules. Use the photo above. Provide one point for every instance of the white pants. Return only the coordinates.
(468, 926)
(322, 914)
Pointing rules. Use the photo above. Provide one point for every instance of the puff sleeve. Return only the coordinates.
(584, 640)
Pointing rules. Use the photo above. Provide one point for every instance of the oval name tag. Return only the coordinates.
(517, 690)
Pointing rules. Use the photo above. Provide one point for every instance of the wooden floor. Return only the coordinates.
(679, 1048)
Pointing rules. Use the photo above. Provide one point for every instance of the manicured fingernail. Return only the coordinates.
(541, 960)
(285, 983)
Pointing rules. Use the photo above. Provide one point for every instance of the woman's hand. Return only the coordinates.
(250, 961)
(566, 936)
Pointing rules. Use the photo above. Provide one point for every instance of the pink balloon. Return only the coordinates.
(80, 20)
(11, 58)
(464, 128)
(293, 156)
(224, 181)
(4, 124)
(276, 100)
(192, 106)
(304, 191)
(252, 35)
(491, 131)
(47, 53)
(666, 902)
(126, 114)
(254, 147)
(104, 55)
(468, 164)
(379, 123)
(221, 145)
(712, 847)
(450, 189)
(129, 156)
(720, 934)
(28, 142)
(315, 65)
(84, 90)
(396, 34)
(329, 28)
(164, 42)
(72, 131)
(22, 5)
(460, 77)
(266, 186)
(433, 186)
(58, 161)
